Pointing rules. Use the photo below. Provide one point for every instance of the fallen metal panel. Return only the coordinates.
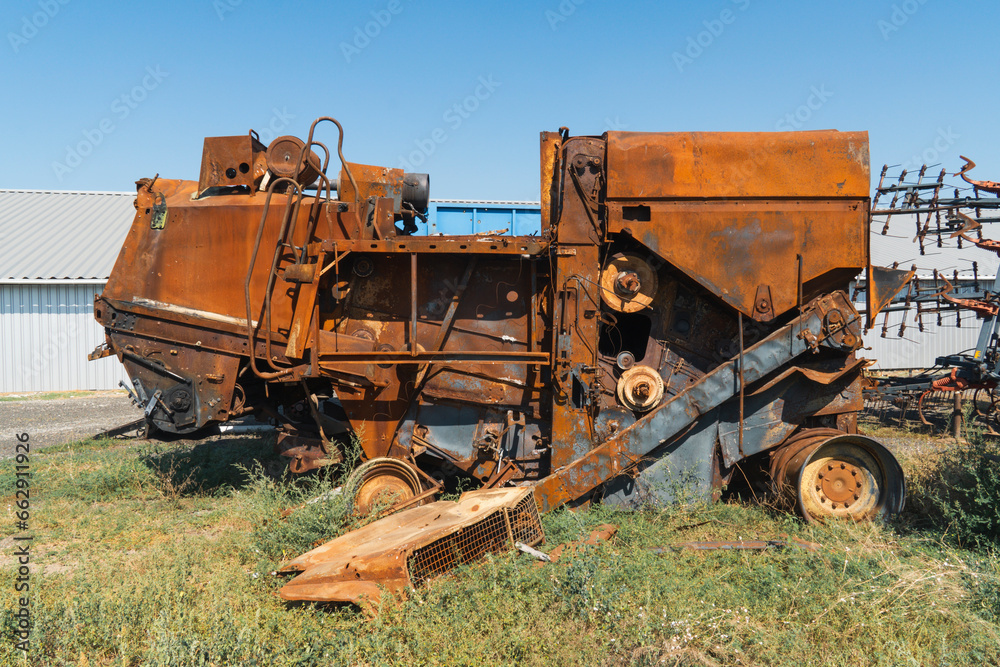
(409, 547)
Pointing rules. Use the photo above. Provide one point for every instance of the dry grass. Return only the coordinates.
(149, 557)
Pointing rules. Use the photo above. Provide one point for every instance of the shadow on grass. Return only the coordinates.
(212, 467)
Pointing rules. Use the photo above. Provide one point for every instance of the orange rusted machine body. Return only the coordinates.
(682, 314)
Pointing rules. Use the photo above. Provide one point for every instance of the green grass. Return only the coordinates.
(162, 556)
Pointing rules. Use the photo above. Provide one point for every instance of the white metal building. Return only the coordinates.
(57, 250)
(915, 349)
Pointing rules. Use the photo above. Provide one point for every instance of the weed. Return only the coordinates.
(958, 492)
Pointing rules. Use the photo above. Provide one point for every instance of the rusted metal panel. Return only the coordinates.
(735, 165)
(232, 162)
(550, 151)
(735, 248)
(883, 285)
(409, 547)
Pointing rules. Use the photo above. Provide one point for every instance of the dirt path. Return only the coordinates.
(56, 421)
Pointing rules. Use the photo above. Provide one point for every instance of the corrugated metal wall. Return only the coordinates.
(46, 332)
(916, 349)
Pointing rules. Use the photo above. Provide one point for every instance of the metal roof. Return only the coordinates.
(62, 235)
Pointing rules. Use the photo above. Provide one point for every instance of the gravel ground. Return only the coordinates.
(56, 421)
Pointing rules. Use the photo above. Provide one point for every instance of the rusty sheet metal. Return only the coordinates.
(737, 249)
(231, 162)
(407, 548)
(883, 286)
(729, 165)
(738, 212)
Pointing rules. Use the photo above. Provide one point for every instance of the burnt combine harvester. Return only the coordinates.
(680, 322)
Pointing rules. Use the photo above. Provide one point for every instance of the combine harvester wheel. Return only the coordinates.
(826, 473)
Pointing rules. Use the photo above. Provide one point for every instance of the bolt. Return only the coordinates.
(854, 472)
(856, 496)
(843, 466)
(820, 475)
(819, 488)
(859, 485)
(834, 506)
(641, 391)
(763, 306)
(829, 467)
(627, 283)
(846, 505)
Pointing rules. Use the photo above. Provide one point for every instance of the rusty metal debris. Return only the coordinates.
(412, 546)
(603, 533)
(683, 309)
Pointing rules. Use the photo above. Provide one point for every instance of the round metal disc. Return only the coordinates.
(640, 388)
(381, 483)
(628, 283)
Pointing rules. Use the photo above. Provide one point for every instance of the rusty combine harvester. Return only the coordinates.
(681, 321)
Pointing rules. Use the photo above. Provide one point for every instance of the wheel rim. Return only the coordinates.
(841, 480)
(382, 483)
(827, 474)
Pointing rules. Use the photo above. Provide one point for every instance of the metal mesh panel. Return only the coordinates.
(489, 535)
(525, 527)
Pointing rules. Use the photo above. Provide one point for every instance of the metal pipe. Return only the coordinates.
(251, 341)
(740, 324)
(798, 258)
(413, 304)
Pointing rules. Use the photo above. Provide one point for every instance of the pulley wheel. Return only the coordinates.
(628, 283)
(830, 474)
(381, 483)
(640, 388)
(283, 156)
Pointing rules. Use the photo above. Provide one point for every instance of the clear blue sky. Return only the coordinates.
(98, 95)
